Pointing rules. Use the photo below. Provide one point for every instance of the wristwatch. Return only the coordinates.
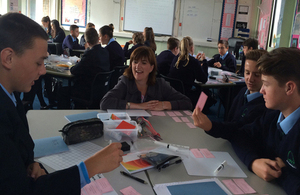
(128, 105)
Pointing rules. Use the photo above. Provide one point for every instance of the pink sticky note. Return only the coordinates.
(196, 153)
(232, 186)
(243, 185)
(158, 113)
(206, 153)
(92, 189)
(170, 113)
(104, 185)
(177, 113)
(187, 113)
(185, 119)
(82, 192)
(201, 101)
(191, 125)
(176, 119)
(129, 191)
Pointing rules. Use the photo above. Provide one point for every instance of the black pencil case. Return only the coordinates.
(159, 160)
(82, 130)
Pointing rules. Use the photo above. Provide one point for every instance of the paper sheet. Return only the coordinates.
(48, 146)
(131, 112)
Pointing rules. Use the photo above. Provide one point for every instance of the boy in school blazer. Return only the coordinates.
(270, 145)
(71, 41)
(21, 63)
(248, 45)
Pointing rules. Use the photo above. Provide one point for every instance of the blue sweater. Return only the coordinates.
(164, 61)
(228, 64)
(262, 139)
(116, 54)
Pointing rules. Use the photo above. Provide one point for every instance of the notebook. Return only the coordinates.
(136, 166)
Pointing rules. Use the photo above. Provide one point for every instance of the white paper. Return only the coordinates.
(131, 112)
(226, 32)
(229, 8)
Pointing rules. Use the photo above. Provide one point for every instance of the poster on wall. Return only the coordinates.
(228, 19)
(73, 12)
(264, 23)
(295, 42)
(13, 5)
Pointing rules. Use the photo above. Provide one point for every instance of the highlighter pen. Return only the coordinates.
(220, 167)
(132, 177)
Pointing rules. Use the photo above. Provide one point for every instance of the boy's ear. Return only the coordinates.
(6, 57)
(290, 87)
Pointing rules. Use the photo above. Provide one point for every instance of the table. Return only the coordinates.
(46, 123)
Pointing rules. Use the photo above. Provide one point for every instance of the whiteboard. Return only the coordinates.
(158, 14)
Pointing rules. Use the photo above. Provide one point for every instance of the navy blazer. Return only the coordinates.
(164, 61)
(60, 36)
(93, 61)
(16, 153)
(69, 43)
(228, 64)
(116, 54)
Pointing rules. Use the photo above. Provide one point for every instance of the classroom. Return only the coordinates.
(149, 97)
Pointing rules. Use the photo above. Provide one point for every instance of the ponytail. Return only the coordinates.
(185, 45)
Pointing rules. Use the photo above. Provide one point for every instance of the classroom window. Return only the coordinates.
(278, 10)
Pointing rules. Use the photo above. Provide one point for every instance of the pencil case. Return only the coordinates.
(159, 160)
(82, 130)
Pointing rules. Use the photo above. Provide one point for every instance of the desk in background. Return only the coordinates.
(46, 123)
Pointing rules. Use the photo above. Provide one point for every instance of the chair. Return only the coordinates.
(232, 43)
(175, 83)
(118, 71)
(100, 87)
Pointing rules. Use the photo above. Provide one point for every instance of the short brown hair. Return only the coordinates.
(73, 27)
(255, 54)
(224, 42)
(91, 36)
(251, 43)
(138, 54)
(89, 25)
(282, 64)
(173, 43)
(138, 38)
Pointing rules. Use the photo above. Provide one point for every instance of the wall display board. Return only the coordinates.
(296, 28)
(73, 12)
(228, 19)
(264, 23)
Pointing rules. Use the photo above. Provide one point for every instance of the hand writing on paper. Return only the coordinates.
(217, 65)
(35, 171)
(105, 160)
(201, 120)
(267, 169)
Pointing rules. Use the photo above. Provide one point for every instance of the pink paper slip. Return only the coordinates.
(191, 125)
(185, 119)
(201, 101)
(243, 185)
(196, 153)
(176, 119)
(177, 113)
(158, 113)
(207, 153)
(91, 189)
(104, 185)
(170, 113)
(129, 191)
(187, 113)
(232, 186)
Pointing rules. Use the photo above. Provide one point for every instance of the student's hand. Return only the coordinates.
(86, 45)
(105, 160)
(145, 105)
(200, 56)
(266, 169)
(201, 120)
(279, 162)
(217, 65)
(35, 171)
(130, 42)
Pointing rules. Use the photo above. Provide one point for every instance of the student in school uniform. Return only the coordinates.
(82, 39)
(93, 61)
(165, 58)
(248, 45)
(19, 68)
(149, 38)
(223, 60)
(137, 41)
(116, 54)
(46, 22)
(270, 145)
(188, 69)
(71, 41)
(58, 33)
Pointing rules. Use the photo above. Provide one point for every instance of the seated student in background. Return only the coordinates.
(111, 25)
(46, 22)
(116, 54)
(270, 145)
(248, 45)
(58, 33)
(71, 41)
(82, 39)
(139, 88)
(149, 38)
(188, 69)
(93, 61)
(224, 60)
(165, 58)
(137, 41)
(19, 68)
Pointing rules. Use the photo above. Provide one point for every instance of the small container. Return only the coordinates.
(108, 116)
(111, 133)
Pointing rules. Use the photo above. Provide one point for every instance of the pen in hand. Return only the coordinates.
(135, 178)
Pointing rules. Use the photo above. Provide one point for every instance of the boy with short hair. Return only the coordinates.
(165, 58)
(71, 41)
(270, 145)
(248, 45)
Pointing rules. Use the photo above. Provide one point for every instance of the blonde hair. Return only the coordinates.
(185, 45)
